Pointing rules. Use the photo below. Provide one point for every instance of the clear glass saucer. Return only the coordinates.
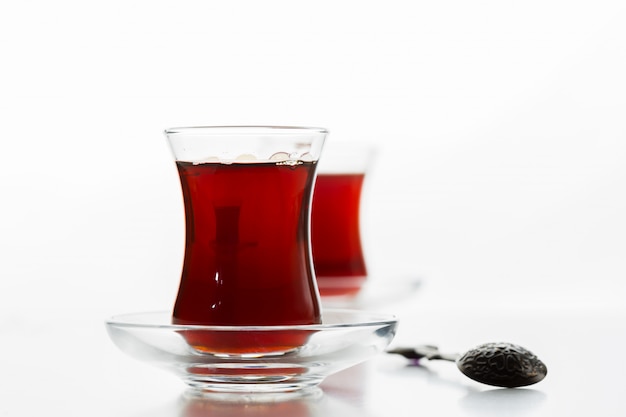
(205, 359)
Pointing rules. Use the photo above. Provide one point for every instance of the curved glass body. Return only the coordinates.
(247, 194)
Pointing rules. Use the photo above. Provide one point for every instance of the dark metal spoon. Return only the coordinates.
(499, 364)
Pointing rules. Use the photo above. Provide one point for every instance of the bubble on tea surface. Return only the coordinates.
(279, 157)
(208, 159)
(283, 158)
(306, 157)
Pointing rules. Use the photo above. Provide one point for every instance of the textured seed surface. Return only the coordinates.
(502, 365)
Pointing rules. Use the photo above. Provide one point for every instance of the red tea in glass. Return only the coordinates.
(335, 234)
(247, 247)
(338, 256)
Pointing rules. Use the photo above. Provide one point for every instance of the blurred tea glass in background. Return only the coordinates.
(338, 254)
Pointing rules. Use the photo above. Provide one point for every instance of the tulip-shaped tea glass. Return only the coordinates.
(247, 195)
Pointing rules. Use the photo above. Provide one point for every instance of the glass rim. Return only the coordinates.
(245, 130)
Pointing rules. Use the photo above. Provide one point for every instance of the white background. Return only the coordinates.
(501, 130)
(500, 182)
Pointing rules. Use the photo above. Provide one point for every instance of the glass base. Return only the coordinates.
(258, 383)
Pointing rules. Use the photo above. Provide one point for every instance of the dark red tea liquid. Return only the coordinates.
(335, 234)
(247, 260)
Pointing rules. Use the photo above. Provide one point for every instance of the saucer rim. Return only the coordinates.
(125, 320)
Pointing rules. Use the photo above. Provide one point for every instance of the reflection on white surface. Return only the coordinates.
(321, 405)
(311, 403)
(501, 402)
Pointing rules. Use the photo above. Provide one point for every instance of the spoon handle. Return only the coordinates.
(424, 351)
